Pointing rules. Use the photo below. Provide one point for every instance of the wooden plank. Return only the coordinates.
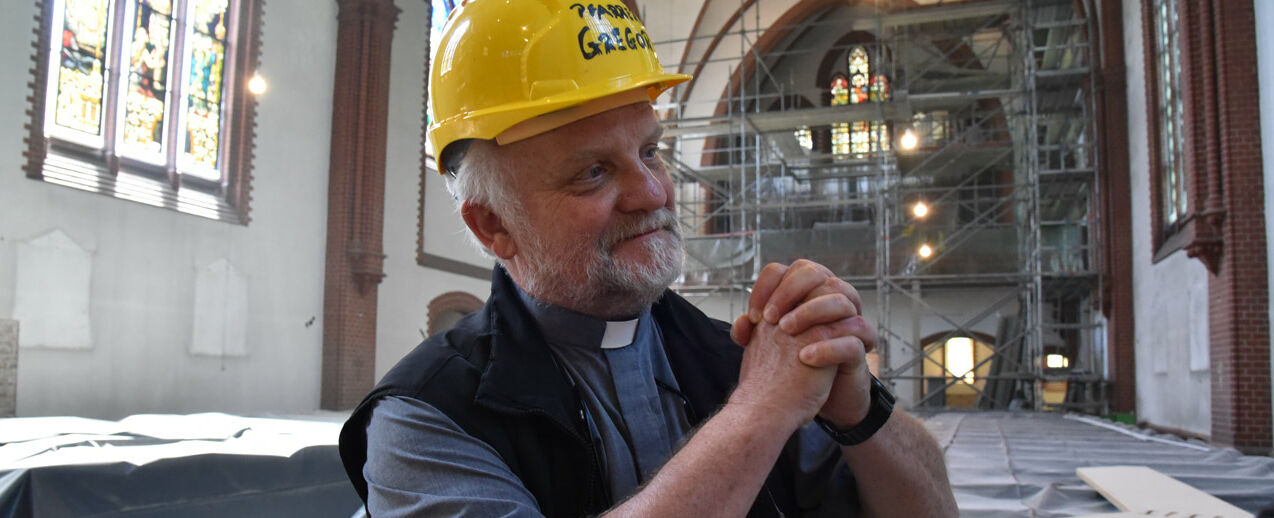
(1142, 490)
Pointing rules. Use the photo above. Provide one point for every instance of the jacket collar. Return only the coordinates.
(521, 375)
(704, 359)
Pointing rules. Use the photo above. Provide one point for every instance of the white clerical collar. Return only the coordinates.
(619, 334)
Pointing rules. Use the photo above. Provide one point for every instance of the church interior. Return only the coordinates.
(221, 224)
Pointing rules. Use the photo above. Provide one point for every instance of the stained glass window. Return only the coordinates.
(440, 11)
(880, 88)
(859, 71)
(172, 58)
(1171, 111)
(863, 136)
(859, 143)
(146, 97)
(840, 130)
(805, 138)
(78, 74)
(201, 144)
(139, 100)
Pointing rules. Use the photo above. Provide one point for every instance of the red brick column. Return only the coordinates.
(356, 199)
(1112, 99)
(1239, 294)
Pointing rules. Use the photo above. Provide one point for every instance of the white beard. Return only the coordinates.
(609, 287)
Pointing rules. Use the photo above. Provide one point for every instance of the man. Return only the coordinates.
(585, 386)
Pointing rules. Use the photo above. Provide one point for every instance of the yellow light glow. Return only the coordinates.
(1057, 361)
(920, 209)
(908, 141)
(925, 251)
(257, 85)
(959, 352)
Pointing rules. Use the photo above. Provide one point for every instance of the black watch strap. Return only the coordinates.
(882, 406)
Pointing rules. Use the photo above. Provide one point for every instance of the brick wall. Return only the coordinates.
(356, 200)
(1239, 293)
(1225, 222)
(1117, 278)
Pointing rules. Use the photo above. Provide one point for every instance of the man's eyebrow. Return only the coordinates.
(657, 133)
(581, 155)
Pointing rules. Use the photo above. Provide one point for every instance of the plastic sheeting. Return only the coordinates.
(1002, 464)
(1020, 464)
(166, 465)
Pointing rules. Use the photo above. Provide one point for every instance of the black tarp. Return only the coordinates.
(310, 482)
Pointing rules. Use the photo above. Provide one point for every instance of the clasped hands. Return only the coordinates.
(805, 345)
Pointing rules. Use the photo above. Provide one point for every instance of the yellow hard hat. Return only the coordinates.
(511, 69)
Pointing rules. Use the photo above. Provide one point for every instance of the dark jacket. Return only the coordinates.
(494, 376)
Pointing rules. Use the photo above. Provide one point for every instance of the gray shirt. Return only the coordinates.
(420, 462)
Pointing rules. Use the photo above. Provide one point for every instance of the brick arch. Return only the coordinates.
(452, 301)
(777, 31)
(769, 40)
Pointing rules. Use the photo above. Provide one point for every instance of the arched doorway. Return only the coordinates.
(447, 309)
(955, 369)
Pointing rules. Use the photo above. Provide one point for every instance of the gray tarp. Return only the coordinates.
(1001, 464)
(1015, 464)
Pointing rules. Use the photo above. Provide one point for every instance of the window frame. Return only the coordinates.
(1167, 236)
(83, 165)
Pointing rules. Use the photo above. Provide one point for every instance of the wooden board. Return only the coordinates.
(1141, 490)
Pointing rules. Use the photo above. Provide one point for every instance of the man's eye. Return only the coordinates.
(594, 172)
(650, 152)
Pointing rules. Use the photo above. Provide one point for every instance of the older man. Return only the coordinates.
(585, 386)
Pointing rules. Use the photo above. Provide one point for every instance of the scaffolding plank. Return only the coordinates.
(1140, 489)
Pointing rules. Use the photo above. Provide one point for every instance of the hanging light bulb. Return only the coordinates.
(908, 141)
(925, 251)
(920, 210)
(257, 84)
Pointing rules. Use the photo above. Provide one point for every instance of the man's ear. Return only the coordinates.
(489, 229)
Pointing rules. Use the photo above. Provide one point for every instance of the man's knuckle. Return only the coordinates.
(843, 302)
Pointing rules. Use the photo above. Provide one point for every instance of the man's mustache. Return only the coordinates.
(659, 219)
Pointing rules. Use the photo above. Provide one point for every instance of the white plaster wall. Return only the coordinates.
(1265, 74)
(144, 259)
(408, 287)
(1168, 296)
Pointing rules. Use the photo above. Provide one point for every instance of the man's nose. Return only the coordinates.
(644, 188)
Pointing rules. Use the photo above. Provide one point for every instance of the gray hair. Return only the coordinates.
(474, 176)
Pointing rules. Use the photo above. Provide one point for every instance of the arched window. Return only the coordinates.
(865, 136)
(859, 71)
(840, 130)
(173, 126)
(956, 366)
(880, 88)
(1170, 114)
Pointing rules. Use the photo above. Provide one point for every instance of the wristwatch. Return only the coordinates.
(882, 405)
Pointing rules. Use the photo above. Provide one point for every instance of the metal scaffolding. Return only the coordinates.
(995, 102)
